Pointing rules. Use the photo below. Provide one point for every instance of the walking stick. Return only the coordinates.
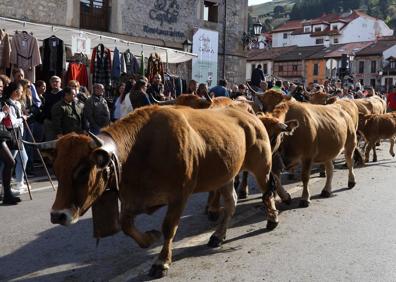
(20, 158)
(39, 153)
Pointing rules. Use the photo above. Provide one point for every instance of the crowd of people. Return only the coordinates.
(33, 111)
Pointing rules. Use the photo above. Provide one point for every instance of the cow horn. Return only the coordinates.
(252, 90)
(170, 102)
(43, 145)
(207, 97)
(97, 141)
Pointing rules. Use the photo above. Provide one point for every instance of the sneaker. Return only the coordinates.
(20, 188)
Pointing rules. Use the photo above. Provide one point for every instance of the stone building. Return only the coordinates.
(166, 23)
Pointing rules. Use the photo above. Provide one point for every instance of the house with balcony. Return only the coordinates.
(374, 65)
(353, 26)
(291, 65)
(265, 58)
(326, 63)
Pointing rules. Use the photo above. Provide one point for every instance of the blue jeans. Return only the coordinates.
(19, 176)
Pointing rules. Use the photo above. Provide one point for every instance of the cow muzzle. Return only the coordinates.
(63, 217)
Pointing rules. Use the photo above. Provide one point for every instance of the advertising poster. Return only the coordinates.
(204, 67)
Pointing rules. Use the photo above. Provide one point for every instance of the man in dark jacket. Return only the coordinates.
(66, 114)
(257, 76)
(51, 97)
(96, 110)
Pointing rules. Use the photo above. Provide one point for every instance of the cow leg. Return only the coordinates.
(392, 143)
(230, 201)
(169, 227)
(329, 167)
(267, 184)
(375, 152)
(369, 146)
(143, 240)
(305, 171)
(349, 152)
(244, 189)
(236, 182)
(277, 168)
(213, 207)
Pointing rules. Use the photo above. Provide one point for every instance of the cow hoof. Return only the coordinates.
(288, 200)
(158, 271)
(393, 155)
(325, 194)
(303, 204)
(215, 242)
(351, 184)
(374, 160)
(242, 195)
(272, 225)
(322, 174)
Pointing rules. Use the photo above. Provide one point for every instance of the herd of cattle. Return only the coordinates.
(159, 155)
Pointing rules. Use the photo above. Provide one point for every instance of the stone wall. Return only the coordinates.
(48, 11)
(146, 22)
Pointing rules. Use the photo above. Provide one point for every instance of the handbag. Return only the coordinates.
(15, 142)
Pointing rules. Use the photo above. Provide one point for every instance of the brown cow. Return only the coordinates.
(375, 128)
(322, 134)
(203, 151)
(349, 106)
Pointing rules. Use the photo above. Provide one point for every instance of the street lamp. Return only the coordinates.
(257, 27)
(187, 46)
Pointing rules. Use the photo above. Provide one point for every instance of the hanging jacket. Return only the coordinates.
(54, 57)
(5, 50)
(118, 65)
(101, 65)
(131, 63)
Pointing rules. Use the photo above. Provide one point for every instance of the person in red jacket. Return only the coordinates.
(391, 99)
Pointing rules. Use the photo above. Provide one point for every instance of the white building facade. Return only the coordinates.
(330, 29)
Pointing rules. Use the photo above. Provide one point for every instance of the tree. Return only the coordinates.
(279, 10)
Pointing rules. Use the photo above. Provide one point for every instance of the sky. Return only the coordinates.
(255, 2)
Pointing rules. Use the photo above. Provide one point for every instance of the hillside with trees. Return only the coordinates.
(383, 9)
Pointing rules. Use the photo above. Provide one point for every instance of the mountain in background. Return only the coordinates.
(275, 13)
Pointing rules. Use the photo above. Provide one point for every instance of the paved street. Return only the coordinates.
(348, 237)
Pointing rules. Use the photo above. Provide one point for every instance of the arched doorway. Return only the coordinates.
(94, 14)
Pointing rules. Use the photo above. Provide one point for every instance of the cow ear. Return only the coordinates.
(291, 126)
(101, 158)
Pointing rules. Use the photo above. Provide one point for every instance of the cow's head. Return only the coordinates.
(319, 98)
(81, 166)
(271, 99)
(193, 101)
(363, 119)
(276, 125)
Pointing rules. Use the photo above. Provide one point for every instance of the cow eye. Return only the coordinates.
(82, 172)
